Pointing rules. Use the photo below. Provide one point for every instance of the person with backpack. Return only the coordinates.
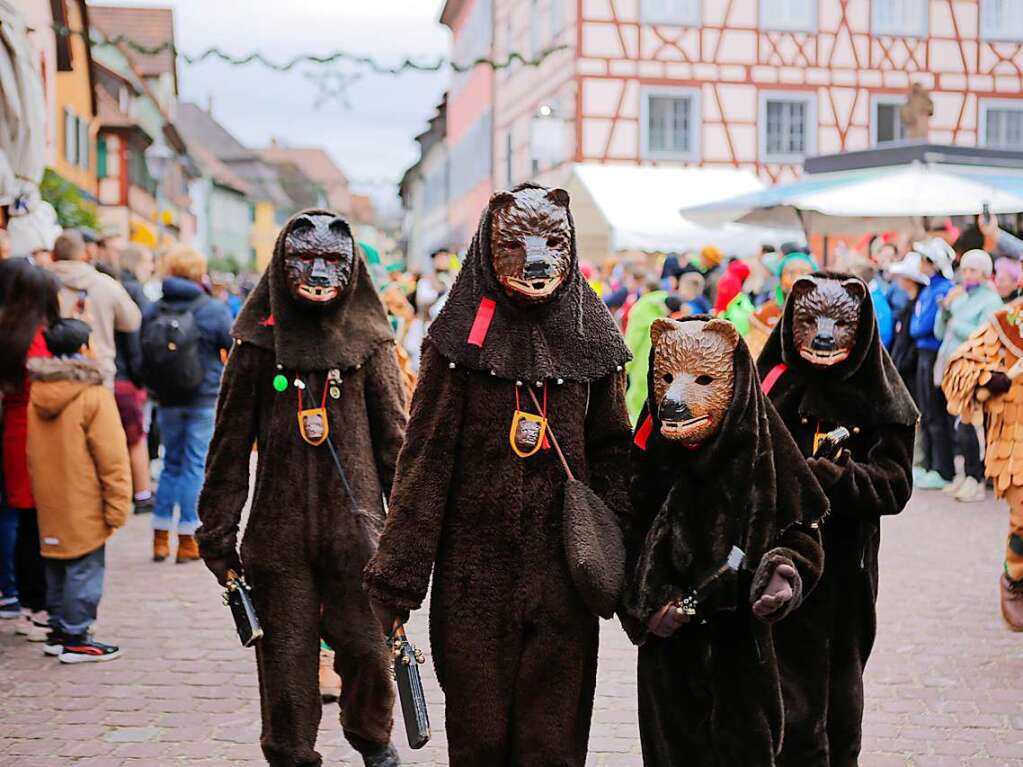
(183, 336)
(95, 298)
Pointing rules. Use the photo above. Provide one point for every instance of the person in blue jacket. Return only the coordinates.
(936, 430)
(882, 309)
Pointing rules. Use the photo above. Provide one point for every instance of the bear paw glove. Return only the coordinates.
(778, 594)
(827, 472)
(220, 565)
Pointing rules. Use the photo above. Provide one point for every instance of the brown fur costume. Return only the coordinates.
(514, 646)
(823, 648)
(710, 696)
(303, 550)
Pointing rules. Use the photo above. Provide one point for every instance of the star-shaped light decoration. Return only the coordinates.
(332, 85)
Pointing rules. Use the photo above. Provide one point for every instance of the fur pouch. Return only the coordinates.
(594, 547)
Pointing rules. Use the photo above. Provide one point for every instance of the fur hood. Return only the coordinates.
(745, 487)
(343, 337)
(866, 386)
(58, 381)
(571, 336)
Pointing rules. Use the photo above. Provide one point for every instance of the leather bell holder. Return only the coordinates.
(313, 425)
(527, 433)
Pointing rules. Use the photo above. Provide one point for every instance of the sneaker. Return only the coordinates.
(953, 487)
(35, 627)
(931, 481)
(86, 650)
(972, 491)
(918, 473)
(10, 607)
(145, 505)
(54, 643)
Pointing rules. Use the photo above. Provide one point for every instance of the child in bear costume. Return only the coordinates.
(714, 468)
(514, 645)
(824, 367)
(312, 374)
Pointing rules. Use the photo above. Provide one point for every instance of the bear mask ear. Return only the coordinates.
(805, 284)
(659, 327)
(856, 288)
(723, 328)
(500, 200)
(558, 197)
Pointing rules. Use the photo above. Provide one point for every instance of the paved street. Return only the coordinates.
(943, 685)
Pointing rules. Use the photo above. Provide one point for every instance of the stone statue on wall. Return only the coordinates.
(916, 113)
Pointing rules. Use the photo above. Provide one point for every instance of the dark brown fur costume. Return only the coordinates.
(514, 646)
(303, 552)
(710, 696)
(824, 647)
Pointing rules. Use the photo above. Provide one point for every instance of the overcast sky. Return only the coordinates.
(371, 140)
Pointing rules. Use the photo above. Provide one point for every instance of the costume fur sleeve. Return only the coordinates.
(385, 405)
(399, 573)
(226, 488)
(608, 444)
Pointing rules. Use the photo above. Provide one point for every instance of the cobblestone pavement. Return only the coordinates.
(943, 685)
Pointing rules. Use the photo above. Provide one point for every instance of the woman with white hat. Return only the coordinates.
(964, 309)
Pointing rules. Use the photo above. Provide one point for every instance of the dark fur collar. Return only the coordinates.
(64, 369)
(866, 388)
(745, 487)
(342, 338)
(572, 336)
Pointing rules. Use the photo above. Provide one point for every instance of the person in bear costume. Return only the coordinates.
(313, 381)
(824, 367)
(714, 468)
(514, 645)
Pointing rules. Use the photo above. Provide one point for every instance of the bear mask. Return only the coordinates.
(319, 255)
(530, 242)
(693, 377)
(826, 317)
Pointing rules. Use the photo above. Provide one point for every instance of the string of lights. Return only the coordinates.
(334, 57)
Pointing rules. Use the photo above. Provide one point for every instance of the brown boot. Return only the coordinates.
(188, 549)
(330, 682)
(1012, 603)
(161, 545)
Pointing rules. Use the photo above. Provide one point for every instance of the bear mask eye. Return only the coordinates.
(704, 380)
(668, 378)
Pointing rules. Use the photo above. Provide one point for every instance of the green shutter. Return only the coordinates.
(101, 158)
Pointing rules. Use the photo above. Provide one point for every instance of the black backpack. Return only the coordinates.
(171, 365)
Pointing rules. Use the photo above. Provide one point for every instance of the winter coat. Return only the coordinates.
(637, 338)
(956, 323)
(78, 457)
(213, 319)
(107, 307)
(128, 360)
(904, 353)
(883, 312)
(18, 484)
(711, 692)
(928, 306)
(730, 284)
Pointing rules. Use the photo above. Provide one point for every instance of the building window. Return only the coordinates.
(788, 127)
(789, 15)
(83, 144)
(900, 18)
(508, 157)
(557, 19)
(70, 137)
(671, 123)
(1001, 124)
(1001, 20)
(886, 124)
(678, 12)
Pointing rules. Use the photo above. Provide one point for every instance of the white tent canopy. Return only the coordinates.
(637, 208)
(871, 199)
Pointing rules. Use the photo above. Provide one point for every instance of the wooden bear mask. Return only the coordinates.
(530, 242)
(319, 256)
(825, 318)
(693, 377)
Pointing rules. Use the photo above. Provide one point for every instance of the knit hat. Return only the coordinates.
(976, 259)
(66, 336)
(711, 255)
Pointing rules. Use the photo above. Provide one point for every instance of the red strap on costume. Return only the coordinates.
(643, 433)
(772, 378)
(268, 322)
(480, 326)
